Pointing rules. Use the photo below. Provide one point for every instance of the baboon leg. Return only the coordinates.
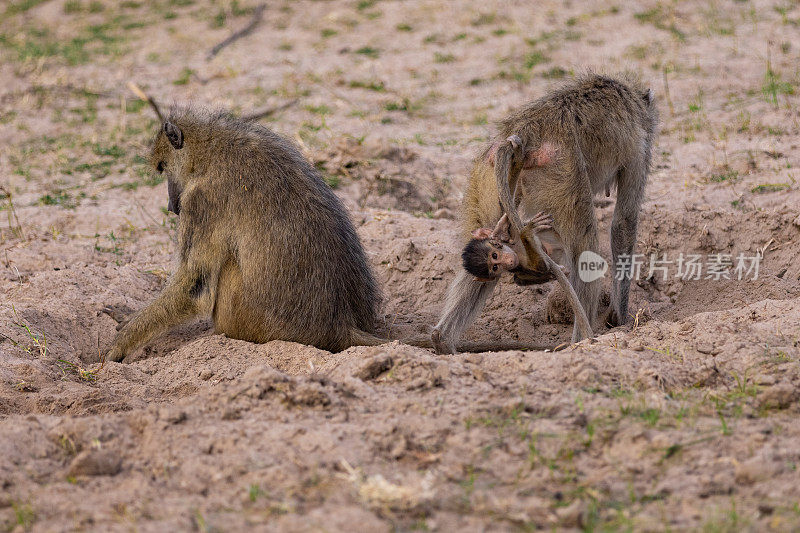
(588, 293)
(630, 193)
(465, 300)
(573, 212)
(190, 291)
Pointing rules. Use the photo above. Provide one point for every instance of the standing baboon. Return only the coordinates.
(579, 140)
(264, 246)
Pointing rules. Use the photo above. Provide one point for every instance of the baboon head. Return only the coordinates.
(487, 259)
(168, 157)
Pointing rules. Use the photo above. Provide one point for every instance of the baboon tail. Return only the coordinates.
(362, 338)
(359, 337)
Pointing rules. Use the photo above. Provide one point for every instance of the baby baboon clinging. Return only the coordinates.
(264, 246)
(491, 252)
(579, 140)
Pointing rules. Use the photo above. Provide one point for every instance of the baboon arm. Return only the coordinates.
(190, 291)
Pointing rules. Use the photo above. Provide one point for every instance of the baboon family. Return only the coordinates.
(269, 252)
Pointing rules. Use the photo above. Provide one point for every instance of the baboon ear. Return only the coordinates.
(174, 134)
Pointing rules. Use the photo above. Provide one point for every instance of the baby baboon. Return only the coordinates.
(491, 252)
(577, 141)
(264, 246)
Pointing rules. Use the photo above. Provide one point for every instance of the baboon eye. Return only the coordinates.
(160, 166)
(494, 268)
(494, 255)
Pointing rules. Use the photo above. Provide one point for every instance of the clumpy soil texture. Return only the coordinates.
(685, 418)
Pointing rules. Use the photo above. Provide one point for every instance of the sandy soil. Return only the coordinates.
(686, 418)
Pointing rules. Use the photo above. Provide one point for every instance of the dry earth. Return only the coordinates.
(684, 419)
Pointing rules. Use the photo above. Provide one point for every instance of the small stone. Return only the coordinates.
(206, 374)
(95, 463)
(707, 348)
(374, 367)
(231, 414)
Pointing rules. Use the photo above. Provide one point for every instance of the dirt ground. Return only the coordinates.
(686, 418)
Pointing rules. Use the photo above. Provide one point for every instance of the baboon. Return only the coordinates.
(264, 246)
(491, 252)
(593, 133)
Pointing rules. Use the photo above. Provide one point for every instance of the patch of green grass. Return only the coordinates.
(402, 105)
(369, 51)
(535, 58)
(319, 109)
(37, 43)
(20, 6)
(97, 170)
(555, 73)
(115, 245)
(134, 106)
(110, 151)
(727, 176)
(372, 85)
(218, 20)
(404, 27)
(184, 76)
(434, 38)
(773, 86)
(483, 19)
(332, 181)
(770, 187)
(480, 119)
(650, 415)
(87, 113)
(327, 32)
(73, 6)
(58, 197)
(254, 492)
(443, 58)
(365, 4)
(23, 514)
(658, 17)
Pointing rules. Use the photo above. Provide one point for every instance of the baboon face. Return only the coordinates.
(166, 158)
(487, 259)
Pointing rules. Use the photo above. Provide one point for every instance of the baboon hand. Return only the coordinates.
(539, 223)
(482, 234)
(115, 354)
